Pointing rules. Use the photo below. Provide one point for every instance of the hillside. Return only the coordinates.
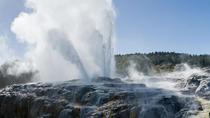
(159, 61)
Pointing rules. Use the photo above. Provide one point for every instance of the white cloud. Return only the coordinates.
(6, 53)
(68, 36)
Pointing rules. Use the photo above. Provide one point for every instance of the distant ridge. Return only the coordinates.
(158, 52)
(159, 61)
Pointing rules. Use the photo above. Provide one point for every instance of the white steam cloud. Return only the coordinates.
(167, 80)
(184, 71)
(68, 39)
(6, 53)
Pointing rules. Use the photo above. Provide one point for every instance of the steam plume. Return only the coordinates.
(68, 38)
(6, 53)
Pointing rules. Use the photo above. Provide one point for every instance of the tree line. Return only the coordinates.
(159, 61)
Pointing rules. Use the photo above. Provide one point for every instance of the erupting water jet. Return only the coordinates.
(68, 39)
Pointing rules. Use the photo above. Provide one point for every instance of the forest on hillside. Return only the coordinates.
(159, 61)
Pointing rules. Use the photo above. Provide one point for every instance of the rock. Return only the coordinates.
(106, 80)
(198, 85)
(194, 81)
(203, 89)
(105, 98)
(154, 111)
(193, 84)
(172, 104)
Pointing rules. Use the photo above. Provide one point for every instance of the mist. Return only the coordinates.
(69, 39)
(163, 80)
(6, 53)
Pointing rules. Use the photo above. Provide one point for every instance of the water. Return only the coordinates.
(68, 39)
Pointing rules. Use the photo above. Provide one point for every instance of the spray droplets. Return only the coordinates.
(68, 39)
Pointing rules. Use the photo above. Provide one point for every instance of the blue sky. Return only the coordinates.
(9, 9)
(163, 25)
(143, 25)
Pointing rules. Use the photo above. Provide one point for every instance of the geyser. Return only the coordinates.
(68, 39)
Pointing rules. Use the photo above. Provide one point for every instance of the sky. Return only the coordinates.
(9, 9)
(163, 25)
(141, 25)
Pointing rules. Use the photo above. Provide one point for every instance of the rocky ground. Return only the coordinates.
(102, 98)
(198, 86)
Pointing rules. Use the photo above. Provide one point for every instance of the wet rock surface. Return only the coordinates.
(104, 97)
(198, 85)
